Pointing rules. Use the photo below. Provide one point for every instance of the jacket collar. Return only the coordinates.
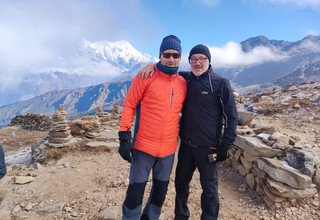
(165, 75)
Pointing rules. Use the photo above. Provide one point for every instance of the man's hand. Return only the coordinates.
(125, 145)
(222, 154)
(146, 71)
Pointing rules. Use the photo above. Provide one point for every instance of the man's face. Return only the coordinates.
(170, 58)
(199, 63)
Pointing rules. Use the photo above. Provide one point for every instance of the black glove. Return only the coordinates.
(125, 145)
(222, 154)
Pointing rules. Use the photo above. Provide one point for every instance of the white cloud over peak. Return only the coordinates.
(231, 55)
(36, 34)
(312, 32)
(301, 3)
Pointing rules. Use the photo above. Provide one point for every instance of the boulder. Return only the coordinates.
(302, 160)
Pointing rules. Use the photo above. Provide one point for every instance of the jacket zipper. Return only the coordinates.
(171, 97)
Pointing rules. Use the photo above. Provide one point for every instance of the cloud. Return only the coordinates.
(37, 34)
(84, 66)
(231, 55)
(209, 3)
(312, 32)
(300, 3)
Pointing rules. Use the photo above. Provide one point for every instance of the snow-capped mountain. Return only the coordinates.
(119, 53)
(93, 63)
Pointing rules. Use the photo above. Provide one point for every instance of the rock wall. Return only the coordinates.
(274, 166)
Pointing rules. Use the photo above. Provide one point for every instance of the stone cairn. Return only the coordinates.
(95, 127)
(59, 135)
(272, 165)
(116, 112)
(104, 117)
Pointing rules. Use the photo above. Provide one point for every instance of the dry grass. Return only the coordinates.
(57, 153)
(52, 153)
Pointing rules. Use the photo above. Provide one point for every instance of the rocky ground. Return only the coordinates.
(90, 183)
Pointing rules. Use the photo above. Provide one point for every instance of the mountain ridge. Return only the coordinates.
(300, 53)
(299, 68)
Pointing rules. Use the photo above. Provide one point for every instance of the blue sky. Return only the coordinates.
(217, 22)
(37, 33)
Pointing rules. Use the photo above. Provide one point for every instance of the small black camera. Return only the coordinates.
(212, 157)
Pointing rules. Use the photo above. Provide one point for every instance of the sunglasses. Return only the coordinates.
(174, 55)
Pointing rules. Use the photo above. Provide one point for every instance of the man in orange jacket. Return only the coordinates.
(157, 103)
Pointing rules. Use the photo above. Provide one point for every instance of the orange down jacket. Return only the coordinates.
(160, 98)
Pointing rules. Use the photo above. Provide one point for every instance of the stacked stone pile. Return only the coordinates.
(104, 117)
(273, 165)
(59, 135)
(116, 112)
(97, 137)
(92, 126)
(95, 128)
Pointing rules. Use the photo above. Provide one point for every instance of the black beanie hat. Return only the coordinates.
(202, 49)
(170, 42)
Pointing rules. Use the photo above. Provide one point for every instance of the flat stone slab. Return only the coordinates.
(285, 191)
(66, 144)
(23, 179)
(282, 172)
(256, 147)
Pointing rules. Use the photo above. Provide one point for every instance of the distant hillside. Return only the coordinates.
(76, 101)
(305, 74)
(39, 83)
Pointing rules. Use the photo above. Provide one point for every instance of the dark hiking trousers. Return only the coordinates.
(140, 169)
(189, 159)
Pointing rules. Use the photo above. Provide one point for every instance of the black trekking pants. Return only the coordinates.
(189, 159)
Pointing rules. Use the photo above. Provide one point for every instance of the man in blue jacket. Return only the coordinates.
(207, 130)
(3, 169)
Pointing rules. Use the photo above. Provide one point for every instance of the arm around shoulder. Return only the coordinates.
(146, 71)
